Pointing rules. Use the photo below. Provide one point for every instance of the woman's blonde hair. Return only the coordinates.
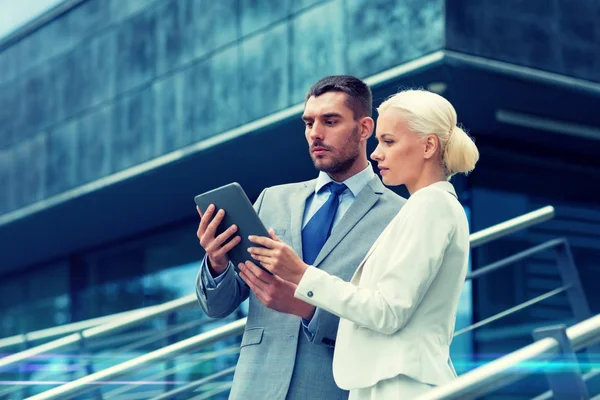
(429, 113)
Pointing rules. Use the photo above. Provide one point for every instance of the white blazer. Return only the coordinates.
(398, 311)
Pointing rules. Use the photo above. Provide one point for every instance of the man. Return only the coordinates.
(332, 221)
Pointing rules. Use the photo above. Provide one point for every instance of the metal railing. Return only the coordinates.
(23, 339)
(511, 226)
(236, 328)
(100, 330)
(571, 283)
(81, 385)
(193, 385)
(516, 365)
(594, 373)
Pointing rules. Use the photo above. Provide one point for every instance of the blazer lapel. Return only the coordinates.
(358, 272)
(297, 204)
(364, 202)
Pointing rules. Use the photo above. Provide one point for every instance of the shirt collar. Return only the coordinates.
(355, 183)
(446, 186)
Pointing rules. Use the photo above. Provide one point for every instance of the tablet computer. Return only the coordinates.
(238, 211)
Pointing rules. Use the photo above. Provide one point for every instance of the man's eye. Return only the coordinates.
(330, 122)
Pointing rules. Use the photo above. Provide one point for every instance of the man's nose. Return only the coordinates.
(316, 131)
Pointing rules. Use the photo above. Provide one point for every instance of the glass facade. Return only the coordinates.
(113, 85)
(141, 272)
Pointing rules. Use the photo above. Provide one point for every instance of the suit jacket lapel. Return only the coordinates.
(298, 203)
(358, 272)
(364, 202)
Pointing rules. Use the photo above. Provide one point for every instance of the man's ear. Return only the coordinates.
(432, 145)
(366, 127)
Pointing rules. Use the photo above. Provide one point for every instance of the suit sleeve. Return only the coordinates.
(410, 256)
(220, 300)
(322, 329)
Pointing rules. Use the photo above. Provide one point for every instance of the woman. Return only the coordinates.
(397, 314)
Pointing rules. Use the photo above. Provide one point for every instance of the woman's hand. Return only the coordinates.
(278, 257)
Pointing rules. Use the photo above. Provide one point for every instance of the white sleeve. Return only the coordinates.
(411, 254)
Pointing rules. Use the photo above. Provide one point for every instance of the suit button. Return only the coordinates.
(309, 294)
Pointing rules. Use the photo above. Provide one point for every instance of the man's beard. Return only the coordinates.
(337, 166)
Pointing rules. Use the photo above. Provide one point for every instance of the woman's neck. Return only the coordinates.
(425, 179)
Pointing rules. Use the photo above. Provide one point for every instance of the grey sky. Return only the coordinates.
(15, 13)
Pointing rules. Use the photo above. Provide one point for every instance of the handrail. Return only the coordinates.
(193, 385)
(153, 336)
(47, 333)
(179, 366)
(216, 389)
(78, 386)
(148, 337)
(514, 366)
(506, 262)
(515, 258)
(100, 330)
(593, 373)
(514, 309)
(512, 225)
(235, 328)
(477, 239)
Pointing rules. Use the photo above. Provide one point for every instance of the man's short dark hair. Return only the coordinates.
(359, 98)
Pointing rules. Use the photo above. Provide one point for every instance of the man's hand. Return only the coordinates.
(274, 292)
(216, 251)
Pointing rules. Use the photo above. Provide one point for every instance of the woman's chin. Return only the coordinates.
(389, 181)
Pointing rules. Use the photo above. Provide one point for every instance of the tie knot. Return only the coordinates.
(337, 188)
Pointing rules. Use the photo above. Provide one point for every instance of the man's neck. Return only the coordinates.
(356, 168)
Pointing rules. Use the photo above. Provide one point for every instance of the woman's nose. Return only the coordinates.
(376, 154)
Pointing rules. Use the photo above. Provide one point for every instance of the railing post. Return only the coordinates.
(566, 383)
(170, 362)
(24, 372)
(89, 365)
(569, 275)
(575, 294)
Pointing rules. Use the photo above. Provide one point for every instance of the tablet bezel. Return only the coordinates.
(238, 211)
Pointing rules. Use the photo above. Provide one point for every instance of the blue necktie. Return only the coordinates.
(317, 230)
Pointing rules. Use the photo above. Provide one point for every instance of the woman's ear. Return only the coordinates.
(432, 144)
